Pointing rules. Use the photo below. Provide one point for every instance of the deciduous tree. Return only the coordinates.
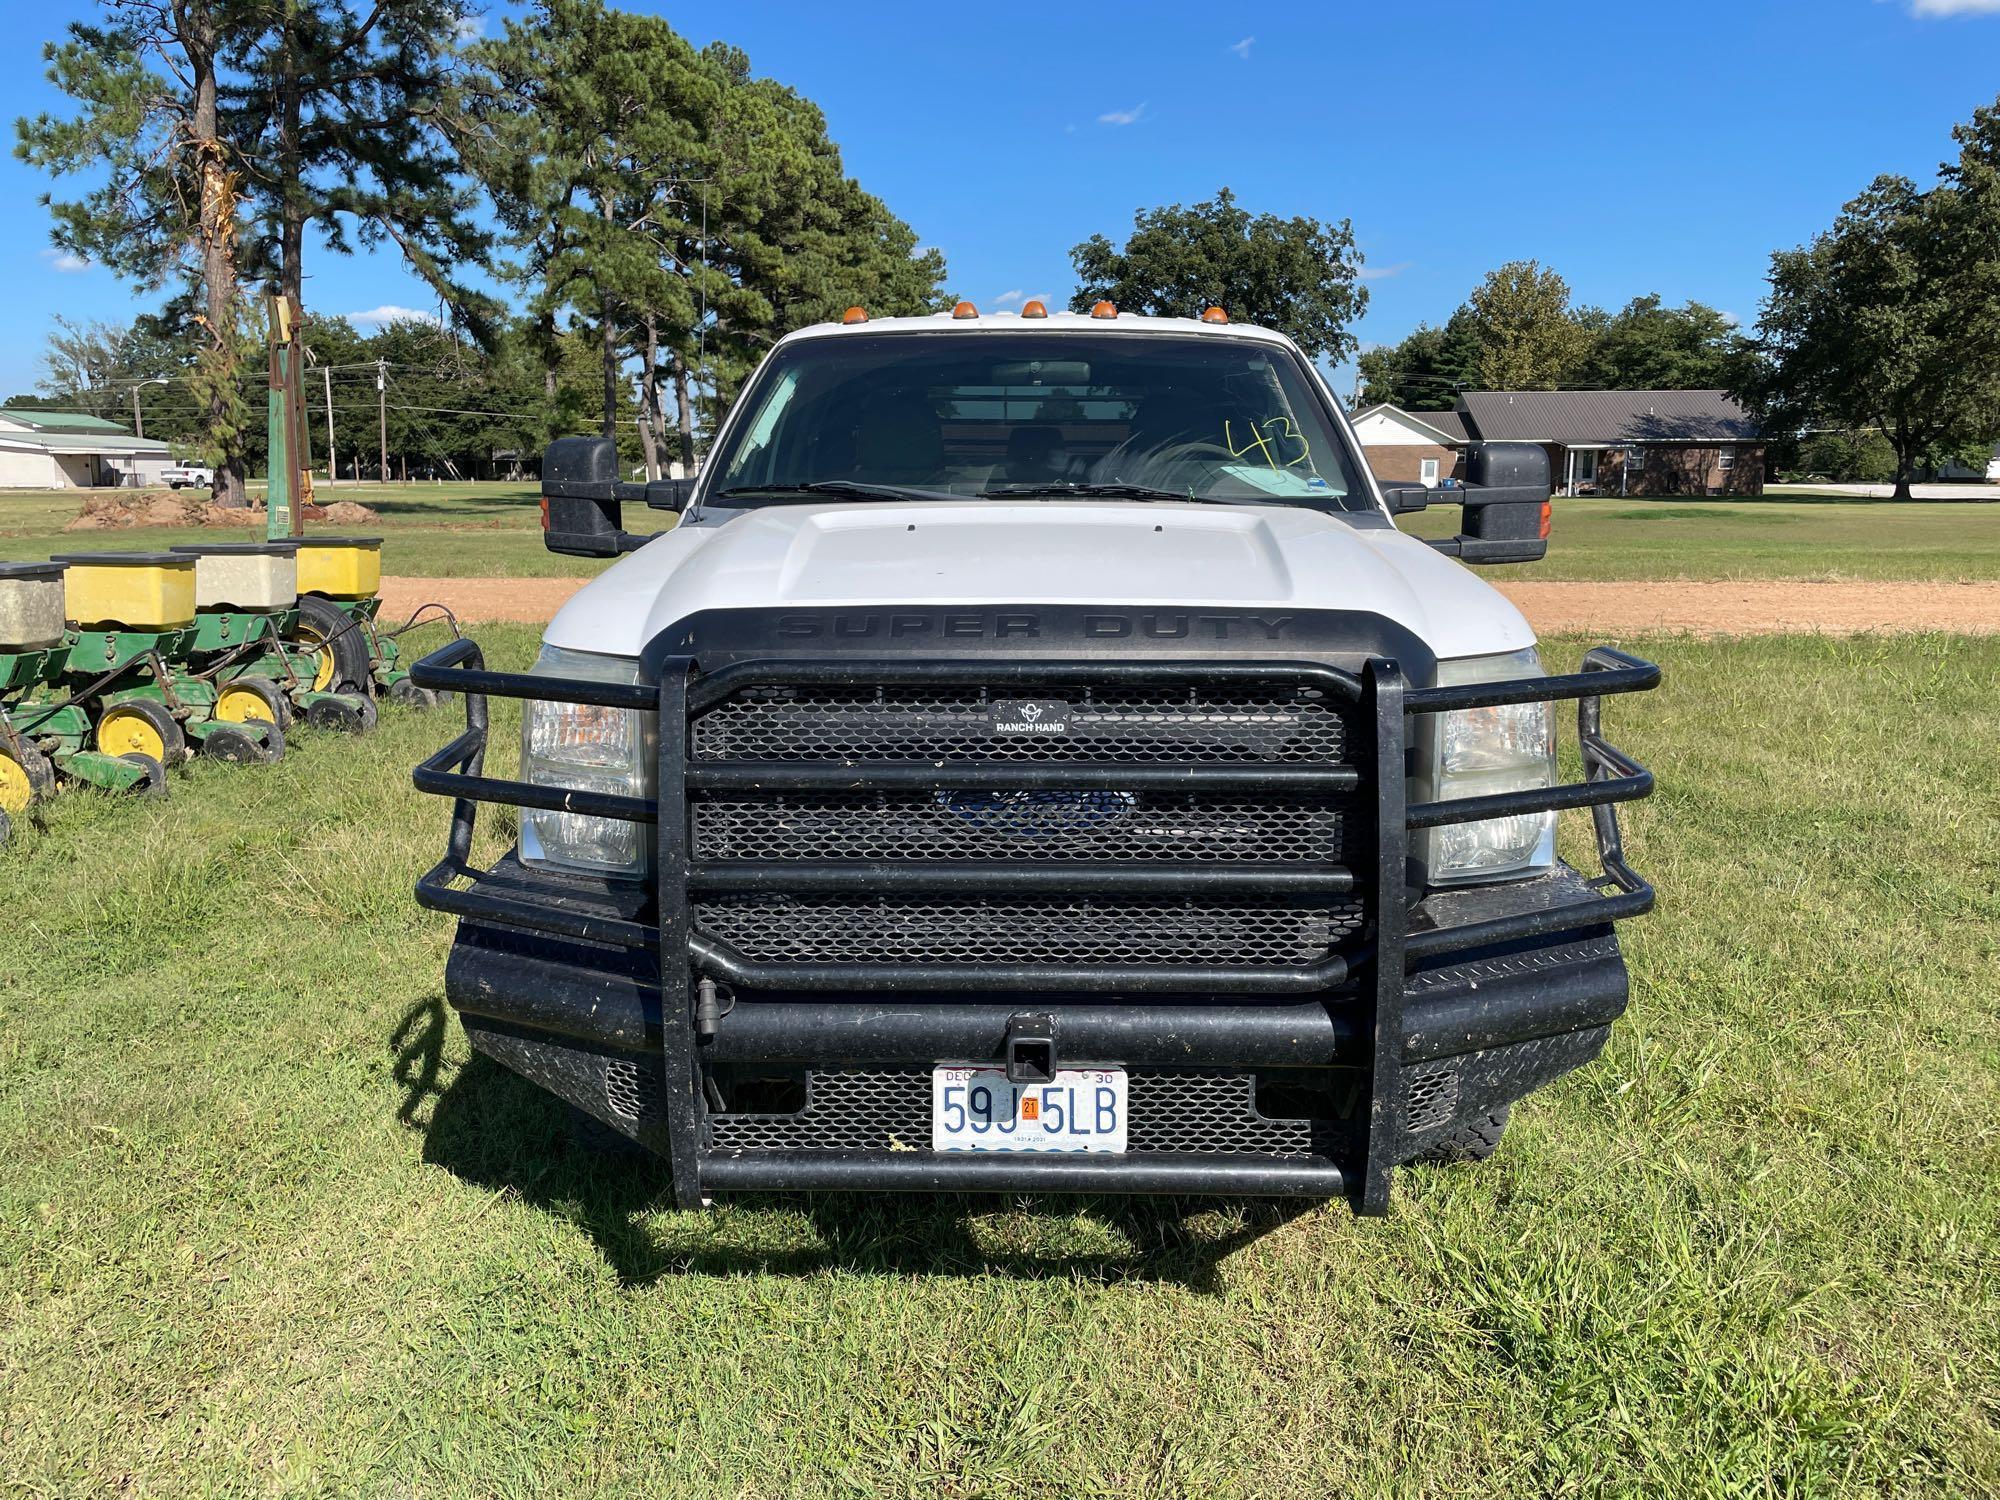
(1298, 275)
(1891, 318)
(1648, 346)
(1529, 337)
(1427, 370)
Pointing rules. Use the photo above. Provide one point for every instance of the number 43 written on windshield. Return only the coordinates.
(1270, 439)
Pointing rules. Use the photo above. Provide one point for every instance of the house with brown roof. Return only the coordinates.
(1599, 442)
(1628, 442)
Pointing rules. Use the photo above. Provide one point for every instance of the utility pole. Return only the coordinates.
(281, 500)
(382, 411)
(138, 417)
(332, 453)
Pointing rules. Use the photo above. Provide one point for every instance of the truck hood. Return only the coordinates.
(998, 552)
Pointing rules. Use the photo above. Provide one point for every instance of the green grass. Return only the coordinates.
(1834, 538)
(265, 1226)
(429, 530)
(493, 530)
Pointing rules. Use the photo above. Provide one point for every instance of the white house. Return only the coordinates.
(59, 450)
(1410, 447)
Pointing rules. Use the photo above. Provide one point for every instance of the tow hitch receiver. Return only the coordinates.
(1031, 1049)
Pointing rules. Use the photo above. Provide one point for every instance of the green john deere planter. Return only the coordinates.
(45, 734)
(246, 643)
(132, 631)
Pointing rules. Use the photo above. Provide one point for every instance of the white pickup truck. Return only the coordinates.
(1036, 761)
(188, 476)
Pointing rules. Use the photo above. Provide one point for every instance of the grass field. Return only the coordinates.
(265, 1227)
(429, 530)
(492, 530)
(1832, 538)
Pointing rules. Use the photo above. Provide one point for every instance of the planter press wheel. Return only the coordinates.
(340, 659)
(351, 713)
(253, 700)
(242, 747)
(155, 784)
(141, 727)
(407, 693)
(26, 777)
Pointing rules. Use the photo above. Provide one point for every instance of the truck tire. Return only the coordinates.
(345, 668)
(1475, 1140)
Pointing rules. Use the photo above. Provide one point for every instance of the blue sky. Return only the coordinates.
(1636, 147)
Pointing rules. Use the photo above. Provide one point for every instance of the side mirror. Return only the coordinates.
(670, 494)
(581, 498)
(1406, 499)
(1506, 501)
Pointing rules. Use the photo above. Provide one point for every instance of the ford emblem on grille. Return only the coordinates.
(1030, 716)
(1037, 815)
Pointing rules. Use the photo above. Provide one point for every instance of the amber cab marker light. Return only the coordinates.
(1214, 315)
(1033, 309)
(1548, 513)
(855, 315)
(1103, 310)
(965, 310)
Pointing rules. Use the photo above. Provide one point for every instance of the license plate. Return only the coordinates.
(977, 1109)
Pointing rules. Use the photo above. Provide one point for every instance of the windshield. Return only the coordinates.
(961, 415)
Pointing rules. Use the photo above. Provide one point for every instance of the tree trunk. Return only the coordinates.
(291, 170)
(217, 361)
(609, 335)
(1906, 462)
(651, 428)
(684, 399)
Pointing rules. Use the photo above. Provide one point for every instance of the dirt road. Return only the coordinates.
(1749, 608)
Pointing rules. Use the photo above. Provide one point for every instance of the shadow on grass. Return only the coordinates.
(489, 1126)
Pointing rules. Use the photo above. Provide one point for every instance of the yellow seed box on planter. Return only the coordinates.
(128, 590)
(340, 567)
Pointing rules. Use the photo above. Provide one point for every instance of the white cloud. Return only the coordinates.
(64, 261)
(1955, 7)
(1242, 48)
(388, 312)
(469, 28)
(1008, 299)
(1123, 116)
(1383, 273)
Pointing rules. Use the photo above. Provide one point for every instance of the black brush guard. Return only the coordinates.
(1368, 1030)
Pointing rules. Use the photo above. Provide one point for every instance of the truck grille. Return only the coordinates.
(826, 819)
(817, 929)
(1196, 827)
(1207, 724)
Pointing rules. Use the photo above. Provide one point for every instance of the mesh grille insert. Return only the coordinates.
(829, 930)
(1273, 722)
(890, 1110)
(1040, 825)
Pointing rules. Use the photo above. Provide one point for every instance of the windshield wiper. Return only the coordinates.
(850, 489)
(1112, 491)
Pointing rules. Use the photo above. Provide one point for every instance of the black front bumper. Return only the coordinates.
(1310, 1080)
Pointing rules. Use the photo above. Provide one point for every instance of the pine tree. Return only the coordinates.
(148, 85)
(341, 117)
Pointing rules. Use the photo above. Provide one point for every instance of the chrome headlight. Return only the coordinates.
(592, 749)
(1479, 751)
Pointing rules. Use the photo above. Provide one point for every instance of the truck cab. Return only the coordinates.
(1036, 761)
